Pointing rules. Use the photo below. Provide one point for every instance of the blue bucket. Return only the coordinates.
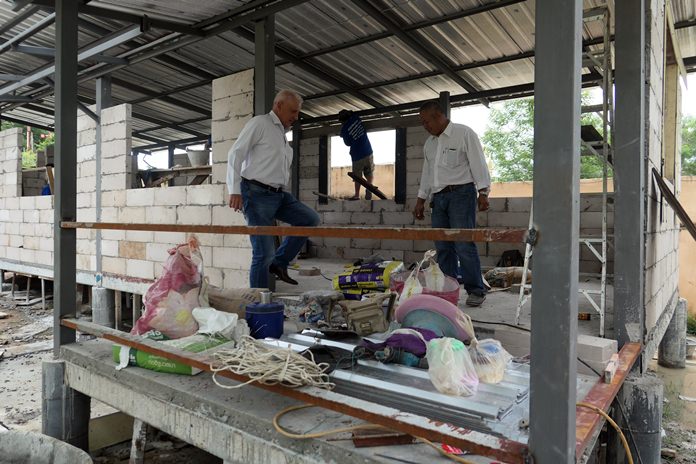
(265, 320)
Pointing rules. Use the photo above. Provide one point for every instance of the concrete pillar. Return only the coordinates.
(640, 399)
(64, 412)
(672, 351)
(103, 308)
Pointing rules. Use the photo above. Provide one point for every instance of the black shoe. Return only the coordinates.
(281, 274)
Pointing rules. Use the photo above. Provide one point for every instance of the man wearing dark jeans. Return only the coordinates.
(258, 170)
(455, 173)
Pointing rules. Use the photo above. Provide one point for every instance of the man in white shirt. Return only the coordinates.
(455, 173)
(258, 171)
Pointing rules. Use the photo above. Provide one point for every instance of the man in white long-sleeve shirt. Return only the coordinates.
(455, 173)
(258, 171)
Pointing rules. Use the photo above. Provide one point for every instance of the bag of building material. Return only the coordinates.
(490, 359)
(171, 299)
(450, 367)
(505, 277)
(367, 276)
(234, 300)
(199, 343)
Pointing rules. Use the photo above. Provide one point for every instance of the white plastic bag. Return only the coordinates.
(450, 368)
(411, 286)
(434, 277)
(490, 359)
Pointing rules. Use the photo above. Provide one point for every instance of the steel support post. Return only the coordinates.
(400, 167)
(629, 173)
(103, 94)
(444, 100)
(264, 65)
(324, 169)
(556, 215)
(66, 169)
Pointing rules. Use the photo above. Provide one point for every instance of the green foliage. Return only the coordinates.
(509, 141)
(688, 148)
(41, 139)
(691, 325)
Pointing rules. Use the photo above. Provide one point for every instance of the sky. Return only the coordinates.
(384, 142)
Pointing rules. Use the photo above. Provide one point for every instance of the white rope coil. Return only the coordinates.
(270, 366)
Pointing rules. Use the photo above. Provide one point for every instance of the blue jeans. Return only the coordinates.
(261, 208)
(457, 210)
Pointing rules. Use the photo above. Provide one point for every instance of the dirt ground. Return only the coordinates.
(26, 341)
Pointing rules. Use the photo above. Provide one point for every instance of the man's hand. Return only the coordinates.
(482, 202)
(419, 210)
(236, 202)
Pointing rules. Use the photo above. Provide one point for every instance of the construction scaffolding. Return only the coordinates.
(598, 61)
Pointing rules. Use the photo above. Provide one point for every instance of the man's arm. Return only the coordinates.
(424, 189)
(238, 153)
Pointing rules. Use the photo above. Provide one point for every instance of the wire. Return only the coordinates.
(518, 327)
(613, 424)
(299, 436)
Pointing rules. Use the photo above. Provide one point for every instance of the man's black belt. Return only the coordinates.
(452, 188)
(262, 185)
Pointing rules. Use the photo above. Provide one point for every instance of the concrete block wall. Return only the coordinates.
(26, 223)
(662, 226)
(32, 182)
(504, 212)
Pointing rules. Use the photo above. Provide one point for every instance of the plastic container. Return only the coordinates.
(450, 292)
(198, 157)
(265, 320)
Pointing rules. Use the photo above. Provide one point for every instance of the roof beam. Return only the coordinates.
(417, 45)
(28, 32)
(91, 50)
(181, 123)
(48, 51)
(29, 12)
(160, 96)
(166, 144)
(313, 69)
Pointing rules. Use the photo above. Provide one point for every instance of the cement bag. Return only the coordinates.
(505, 277)
(170, 300)
(450, 368)
(234, 300)
(490, 359)
(126, 356)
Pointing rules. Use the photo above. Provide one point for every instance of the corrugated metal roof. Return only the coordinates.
(369, 67)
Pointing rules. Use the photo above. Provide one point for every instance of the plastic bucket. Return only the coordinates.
(265, 320)
(19, 447)
(450, 291)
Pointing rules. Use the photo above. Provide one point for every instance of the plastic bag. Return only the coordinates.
(490, 359)
(434, 277)
(171, 299)
(450, 368)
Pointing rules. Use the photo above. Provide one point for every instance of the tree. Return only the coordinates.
(509, 141)
(688, 147)
(41, 140)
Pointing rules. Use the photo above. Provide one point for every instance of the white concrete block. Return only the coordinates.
(337, 219)
(161, 215)
(43, 257)
(198, 215)
(211, 240)
(44, 202)
(215, 276)
(140, 236)
(226, 129)
(86, 153)
(113, 148)
(206, 195)
(27, 256)
(114, 265)
(116, 114)
(31, 216)
(364, 218)
(16, 241)
(86, 137)
(13, 253)
(113, 235)
(27, 203)
(236, 278)
(140, 197)
(158, 252)
(140, 268)
(234, 84)
(236, 241)
(116, 131)
(226, 216)
(173, 238)
(218, 175)
(85, 200)
(170, 196)
(115, 165)
(595, 349)
(109, 247)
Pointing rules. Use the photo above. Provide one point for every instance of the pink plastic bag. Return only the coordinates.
(171, 299)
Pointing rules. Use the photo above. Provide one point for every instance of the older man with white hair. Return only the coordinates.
(258, 172)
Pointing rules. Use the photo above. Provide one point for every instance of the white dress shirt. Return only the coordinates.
(261, 152)
(455, 157)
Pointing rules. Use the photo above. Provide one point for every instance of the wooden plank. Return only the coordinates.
(49, 175)
(602, 395)
(476, 442)
(396, 233)
(198, 180)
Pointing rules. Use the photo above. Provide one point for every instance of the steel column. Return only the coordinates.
(104, 100)
(324, 170)
(264, 65)
(66, 169)
(556, 216)
(400, 168)
(444, 100)
(629, 172)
